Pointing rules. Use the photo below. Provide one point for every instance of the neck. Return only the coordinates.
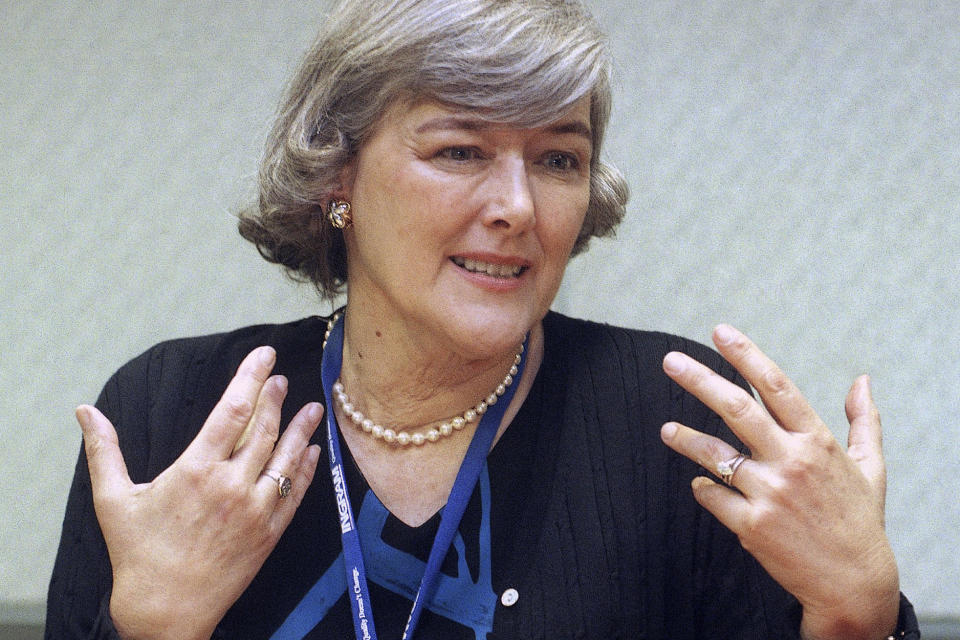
(400, 382)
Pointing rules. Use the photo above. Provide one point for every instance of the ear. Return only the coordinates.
(345, 180)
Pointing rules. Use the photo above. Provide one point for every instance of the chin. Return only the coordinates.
(495, 332)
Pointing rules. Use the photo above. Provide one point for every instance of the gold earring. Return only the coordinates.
(338, 213)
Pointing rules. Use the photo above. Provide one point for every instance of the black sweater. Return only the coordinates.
(592, 517)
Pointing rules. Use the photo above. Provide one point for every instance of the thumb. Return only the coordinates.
(108, 471)
(865, 439)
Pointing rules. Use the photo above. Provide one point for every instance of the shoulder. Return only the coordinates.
(223, 351)
(159, 400)
(617, 374)
(607, 346)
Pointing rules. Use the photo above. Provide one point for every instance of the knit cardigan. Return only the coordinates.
(595, 526)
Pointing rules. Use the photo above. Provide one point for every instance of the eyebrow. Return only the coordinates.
(575, 127)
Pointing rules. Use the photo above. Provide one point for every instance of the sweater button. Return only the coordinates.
(509, 597)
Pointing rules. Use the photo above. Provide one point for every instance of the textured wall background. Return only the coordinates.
(794, 169)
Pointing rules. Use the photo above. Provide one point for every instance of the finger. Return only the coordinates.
(289, 450)
(231, 414)
(729, 507)
(782, 398)
(705, 450)
(742, 413)
(258, 439)
(108, 471)
(303, 478)
(865, 440)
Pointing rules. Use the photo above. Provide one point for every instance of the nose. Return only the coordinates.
(510, 204)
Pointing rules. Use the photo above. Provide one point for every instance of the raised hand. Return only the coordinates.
(185, 546)
(811, 513)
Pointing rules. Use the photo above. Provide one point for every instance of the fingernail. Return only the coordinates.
(723, 334)
(668, 431)
(868, 387)
(267, 355)
(673, 363)
(83, 415)
(314, 412)
(699, 482)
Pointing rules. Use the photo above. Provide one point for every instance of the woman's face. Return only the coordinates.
(462, 228)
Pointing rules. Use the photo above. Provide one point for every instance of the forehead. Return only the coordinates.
(425, 116)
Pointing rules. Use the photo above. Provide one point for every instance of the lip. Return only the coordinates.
(487, 279)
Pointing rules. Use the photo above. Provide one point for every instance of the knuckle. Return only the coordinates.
(825, 441)
(238, 408)
(775, 381)
(732, 342)
(795, 471)
(713, 452)
(265, 428)
(816, 445)
(196, 473)
(296, 499)
(274, 528)
(805, 464)
(233, 501)
(236, 488)
(751, 524)
(756, 525)
(696, 377)
(95, 448)
(739, 405)
(740, 343)
(780, 488)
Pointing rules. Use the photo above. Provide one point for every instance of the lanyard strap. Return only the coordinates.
(357, 588)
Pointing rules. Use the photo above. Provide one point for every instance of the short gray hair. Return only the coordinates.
(517, 62)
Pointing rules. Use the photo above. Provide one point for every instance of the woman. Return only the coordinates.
(495, 470)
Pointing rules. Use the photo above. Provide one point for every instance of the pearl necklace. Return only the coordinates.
(402, 438)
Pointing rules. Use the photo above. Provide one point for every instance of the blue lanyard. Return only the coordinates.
(357, 589)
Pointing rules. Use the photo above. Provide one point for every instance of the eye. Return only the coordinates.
(561, 162)
(459, 154)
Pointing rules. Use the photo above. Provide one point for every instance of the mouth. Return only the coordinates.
(489, 268)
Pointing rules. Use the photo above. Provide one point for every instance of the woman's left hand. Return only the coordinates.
(811, 513)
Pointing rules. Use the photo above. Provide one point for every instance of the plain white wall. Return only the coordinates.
(794, 169)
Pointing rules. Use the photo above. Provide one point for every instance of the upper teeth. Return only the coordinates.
(498, 270)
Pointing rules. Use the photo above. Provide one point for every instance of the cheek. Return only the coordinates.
(387, 205)
(564, 228)
(416, 193)
(563, 210)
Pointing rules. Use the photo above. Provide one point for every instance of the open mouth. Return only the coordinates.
(488, 268)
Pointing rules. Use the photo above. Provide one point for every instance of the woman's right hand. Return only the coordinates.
(186, 545)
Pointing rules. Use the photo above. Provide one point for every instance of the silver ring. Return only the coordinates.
(284, 484)
(727, 468)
